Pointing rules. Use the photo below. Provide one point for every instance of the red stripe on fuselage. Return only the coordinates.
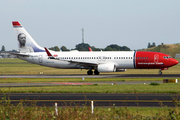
(152, 60)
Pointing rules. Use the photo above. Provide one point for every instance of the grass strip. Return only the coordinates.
(136, 88)
(21, 111)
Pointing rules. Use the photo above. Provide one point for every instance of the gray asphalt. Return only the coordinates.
(95, 76)
(83, 76)
(71, 83)
(81, 99)
(142, 100)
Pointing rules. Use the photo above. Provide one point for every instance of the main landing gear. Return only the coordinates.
(90, 72)
(96, 72)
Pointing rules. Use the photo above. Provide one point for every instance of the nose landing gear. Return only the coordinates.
(160, 72)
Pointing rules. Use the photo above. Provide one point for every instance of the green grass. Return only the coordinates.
(16, 66)
(135, 88)
(20, 111)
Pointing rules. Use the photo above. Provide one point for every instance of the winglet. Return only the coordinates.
(48, 53)
(90, 49)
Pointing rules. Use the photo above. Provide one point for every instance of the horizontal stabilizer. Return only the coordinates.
(16, 53)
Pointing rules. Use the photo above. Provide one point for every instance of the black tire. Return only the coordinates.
(96, 72)
(160, 73)
(89, 72)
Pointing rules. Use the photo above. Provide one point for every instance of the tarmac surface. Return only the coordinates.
(72, 83)
(81, 99)
(95, 76)
(67, 99)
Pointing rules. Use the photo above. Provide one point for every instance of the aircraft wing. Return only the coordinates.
(16, 53)
(84, 63)
(78, 63)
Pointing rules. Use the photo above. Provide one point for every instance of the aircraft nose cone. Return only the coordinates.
(174, 62)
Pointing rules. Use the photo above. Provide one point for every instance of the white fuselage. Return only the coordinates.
(126, 60)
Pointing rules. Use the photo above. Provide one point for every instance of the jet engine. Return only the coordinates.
(108, 67)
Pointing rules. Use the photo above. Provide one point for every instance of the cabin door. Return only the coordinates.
(40, 59)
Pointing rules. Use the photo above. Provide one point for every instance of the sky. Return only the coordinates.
(131, 23)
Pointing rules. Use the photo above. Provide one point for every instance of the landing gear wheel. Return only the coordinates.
(89, 72)
(96, 72)
(160, 73)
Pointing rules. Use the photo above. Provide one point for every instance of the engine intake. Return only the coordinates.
(109, 67)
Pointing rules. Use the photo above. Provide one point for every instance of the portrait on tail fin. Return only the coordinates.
(22, 44)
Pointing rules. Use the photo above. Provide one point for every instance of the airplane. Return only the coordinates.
(99, 61)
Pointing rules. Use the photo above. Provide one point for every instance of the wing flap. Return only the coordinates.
(84, 63)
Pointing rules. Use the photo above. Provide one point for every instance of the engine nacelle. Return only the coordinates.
(121, 70)
(108, 67)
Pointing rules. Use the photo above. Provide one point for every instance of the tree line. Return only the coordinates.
(85, 47)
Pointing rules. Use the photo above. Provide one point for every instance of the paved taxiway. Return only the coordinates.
(71, 83)
(148, 100)
(66, 99)
(83, 76)
(95, 76)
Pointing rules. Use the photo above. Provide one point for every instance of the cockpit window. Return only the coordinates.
(166, 57)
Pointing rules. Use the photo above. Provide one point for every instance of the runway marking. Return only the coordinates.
(70, 83)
